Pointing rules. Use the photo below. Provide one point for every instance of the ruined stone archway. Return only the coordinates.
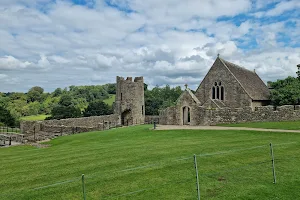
(186, 115)
(126, 118)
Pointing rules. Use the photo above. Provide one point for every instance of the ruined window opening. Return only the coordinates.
(222, 93)
(213, 92)
(218, 93)
(189, 116)
(121, 96)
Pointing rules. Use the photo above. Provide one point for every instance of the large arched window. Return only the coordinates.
(218, 91)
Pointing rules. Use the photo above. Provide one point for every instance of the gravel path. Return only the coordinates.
(176, 127)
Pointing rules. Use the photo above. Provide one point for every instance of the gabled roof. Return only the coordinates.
(249, 80)
(187, 90)
(193, 96)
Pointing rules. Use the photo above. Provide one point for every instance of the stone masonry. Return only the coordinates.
(130, 103)
(129, 109)
(228, 94)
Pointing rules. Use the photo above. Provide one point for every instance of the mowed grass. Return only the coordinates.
(138, 163)
(287, 125)
(35, 117)
(110, 100)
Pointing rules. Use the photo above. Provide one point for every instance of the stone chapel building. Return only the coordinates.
(226, 86)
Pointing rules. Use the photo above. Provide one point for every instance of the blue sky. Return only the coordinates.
(58, 43)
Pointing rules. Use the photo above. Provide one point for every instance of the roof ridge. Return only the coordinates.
(235, 77)
(238, 66)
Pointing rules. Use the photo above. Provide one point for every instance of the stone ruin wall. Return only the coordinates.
(204, 116)
(150, 119)
(260, 114)
(48, 129)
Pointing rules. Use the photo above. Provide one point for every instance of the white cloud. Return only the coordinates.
(53, 44)
(10, 63)
(279, 8)
(3, 76)
(283, 7)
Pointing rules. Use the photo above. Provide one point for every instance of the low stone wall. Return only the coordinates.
(48, 129)
(203, 116)
(13, 137)
(260, 114)
(168, 116)
(150, 119)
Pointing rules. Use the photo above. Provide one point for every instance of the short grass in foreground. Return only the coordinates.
(156, 164)
(288, 125)
(35, 117)
(110, 100)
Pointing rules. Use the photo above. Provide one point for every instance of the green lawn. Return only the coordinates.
(110, 100)
(138, 163)
(288, 125)
(34, 117)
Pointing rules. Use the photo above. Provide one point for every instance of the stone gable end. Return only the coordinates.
(234, 94)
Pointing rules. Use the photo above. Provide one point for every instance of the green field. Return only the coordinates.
(110, 100)
(35, 117)
(288, 125)
(138, 163)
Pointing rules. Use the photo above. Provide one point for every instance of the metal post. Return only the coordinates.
(197, 177)
(83, 187)
(154, 125)
(273, 163)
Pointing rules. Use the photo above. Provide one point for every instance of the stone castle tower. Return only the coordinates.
(130, 103)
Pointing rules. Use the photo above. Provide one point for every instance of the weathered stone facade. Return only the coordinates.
(227, 94)
(130, 103)
(129, 110)
(41, 130)
(150, 119)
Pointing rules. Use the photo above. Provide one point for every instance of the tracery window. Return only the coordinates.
(218, 91)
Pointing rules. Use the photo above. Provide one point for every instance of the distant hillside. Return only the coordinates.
(110, 100)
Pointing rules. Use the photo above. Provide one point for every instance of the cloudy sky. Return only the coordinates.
(58, 43)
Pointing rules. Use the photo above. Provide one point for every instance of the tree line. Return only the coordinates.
(76, 101)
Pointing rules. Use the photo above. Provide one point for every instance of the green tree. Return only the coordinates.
(285, 92)
(35, 94)
(6, 117)
(57, 92)
(97, 108)
(65, 109)
(110, 88)
(159, 98)
(298, 72)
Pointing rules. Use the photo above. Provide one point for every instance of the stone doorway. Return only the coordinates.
(125, 118)
(186, 115)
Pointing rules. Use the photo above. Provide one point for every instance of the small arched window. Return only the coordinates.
(213, 92)
(218, 92)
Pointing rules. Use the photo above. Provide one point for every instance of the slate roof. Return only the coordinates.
(249, 80)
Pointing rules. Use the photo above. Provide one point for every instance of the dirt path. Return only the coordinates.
(176, 127)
